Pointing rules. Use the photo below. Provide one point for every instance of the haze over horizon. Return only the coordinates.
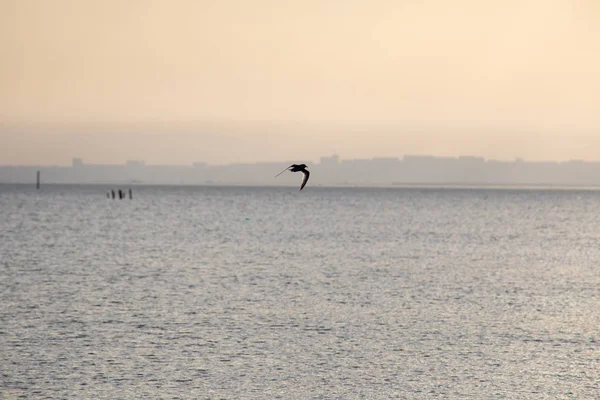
(174, 82)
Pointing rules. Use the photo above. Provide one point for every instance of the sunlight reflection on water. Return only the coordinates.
(209, 292)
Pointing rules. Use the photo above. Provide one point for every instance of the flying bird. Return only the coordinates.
(297, 168)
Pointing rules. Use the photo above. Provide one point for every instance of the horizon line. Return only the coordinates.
(340, 160)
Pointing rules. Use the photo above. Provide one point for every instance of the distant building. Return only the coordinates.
(77, 163)
(418, 158)
(471, 159)
(334, 160)
(385, 160)
(135, 163)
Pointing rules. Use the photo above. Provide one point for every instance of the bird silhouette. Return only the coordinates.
(297, 168)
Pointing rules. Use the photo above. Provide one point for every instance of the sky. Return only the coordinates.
(179, 81)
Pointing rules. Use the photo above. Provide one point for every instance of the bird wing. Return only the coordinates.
(283, 171)
(306, 175)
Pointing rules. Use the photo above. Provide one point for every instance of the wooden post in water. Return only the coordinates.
(130, 194)
(37, 181)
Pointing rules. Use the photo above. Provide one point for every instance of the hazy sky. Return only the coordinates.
(177, 81)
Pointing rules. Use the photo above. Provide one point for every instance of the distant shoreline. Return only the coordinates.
(395, 185)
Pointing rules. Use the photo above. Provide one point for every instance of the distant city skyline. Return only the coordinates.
(229, 142)
(75, 162)
(329, 170)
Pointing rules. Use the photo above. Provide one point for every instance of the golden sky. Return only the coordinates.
(309, 77)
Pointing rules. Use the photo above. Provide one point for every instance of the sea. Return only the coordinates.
(211, 292)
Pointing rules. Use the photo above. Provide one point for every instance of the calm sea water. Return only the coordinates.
(265, 293)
